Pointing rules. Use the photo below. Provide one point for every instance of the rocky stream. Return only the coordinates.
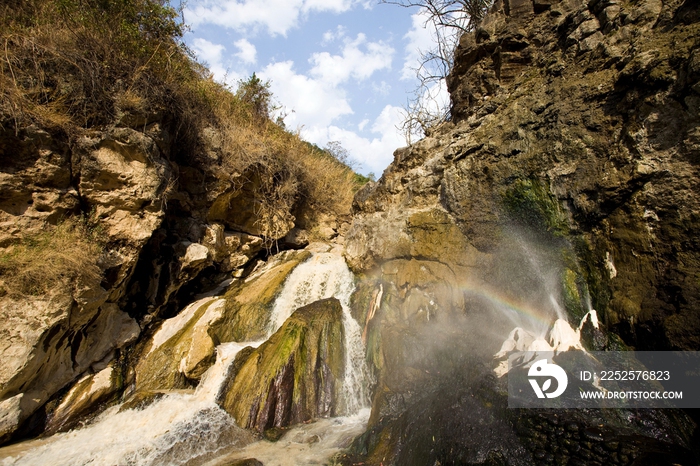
(558, 207)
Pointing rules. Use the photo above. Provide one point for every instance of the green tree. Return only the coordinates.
(256, 93)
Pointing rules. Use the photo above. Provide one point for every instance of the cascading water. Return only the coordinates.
(326, 275)
(172, 430)
(182, 427)
(539, 321)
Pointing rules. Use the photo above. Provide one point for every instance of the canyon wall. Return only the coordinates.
(567, 173)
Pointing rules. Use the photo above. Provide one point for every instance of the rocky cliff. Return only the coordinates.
(565, 181)
(129, 182)
(568, 173)
(158, 231)
(574, 120)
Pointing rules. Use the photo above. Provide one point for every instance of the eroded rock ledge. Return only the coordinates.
(572, 119)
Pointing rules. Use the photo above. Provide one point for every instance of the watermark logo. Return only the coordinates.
(604, 379)
(542, 369)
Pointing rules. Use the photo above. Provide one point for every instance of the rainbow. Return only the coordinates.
(541, 317)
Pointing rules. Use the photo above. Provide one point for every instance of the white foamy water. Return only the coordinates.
(190, 428)
(305, 444)
(326, 275)
(171, 430)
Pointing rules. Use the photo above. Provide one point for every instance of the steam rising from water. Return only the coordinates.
(540, 324)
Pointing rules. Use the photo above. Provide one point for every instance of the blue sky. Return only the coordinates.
(341, 69)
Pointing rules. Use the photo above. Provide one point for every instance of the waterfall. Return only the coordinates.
(181, 426)
(174, 429)
(326, 275)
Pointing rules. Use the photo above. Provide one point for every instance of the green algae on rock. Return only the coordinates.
(249, 303)
(295, 376)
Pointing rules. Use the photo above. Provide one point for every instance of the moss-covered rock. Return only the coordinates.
(249, 303)
(164, 359)
(293, 377)
(530, 203)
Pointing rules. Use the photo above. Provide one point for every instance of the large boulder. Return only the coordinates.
(295, 376)
(50, 341)
(180, 349)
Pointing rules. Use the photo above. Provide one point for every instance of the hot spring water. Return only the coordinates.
(528, 296)
(189, 427)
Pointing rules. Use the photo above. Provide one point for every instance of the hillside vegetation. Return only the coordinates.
(71, 67)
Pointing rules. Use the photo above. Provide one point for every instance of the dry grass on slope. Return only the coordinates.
(72, 65)
(69, 61)
(62, 256)
(297, 174)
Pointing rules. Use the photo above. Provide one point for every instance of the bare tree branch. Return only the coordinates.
(447, 20)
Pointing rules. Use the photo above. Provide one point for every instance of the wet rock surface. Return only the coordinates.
(570, 146)
(465, 419)
(295, 376)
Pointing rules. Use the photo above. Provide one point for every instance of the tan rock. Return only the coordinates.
(195, 255)
(48, 342)
(201, 353)
(83, 399)
(10, 416)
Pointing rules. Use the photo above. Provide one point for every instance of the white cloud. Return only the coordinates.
(276, 16)
(331, 35)
(318, 101)
(373, 153)
(420, 39)
(314, 102)
(436, 98)
(383, 88)
(212, 55)
(353, 62)
(318, 98)
(335, 6)
(246, 51)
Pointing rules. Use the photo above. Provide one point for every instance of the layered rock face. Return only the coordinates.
(164, 224)
(570, 164)
(570, 119)
(599, 103)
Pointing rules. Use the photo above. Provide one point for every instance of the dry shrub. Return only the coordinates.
(69, 65)
(296, 175)
(62, 256)
(87, 58)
